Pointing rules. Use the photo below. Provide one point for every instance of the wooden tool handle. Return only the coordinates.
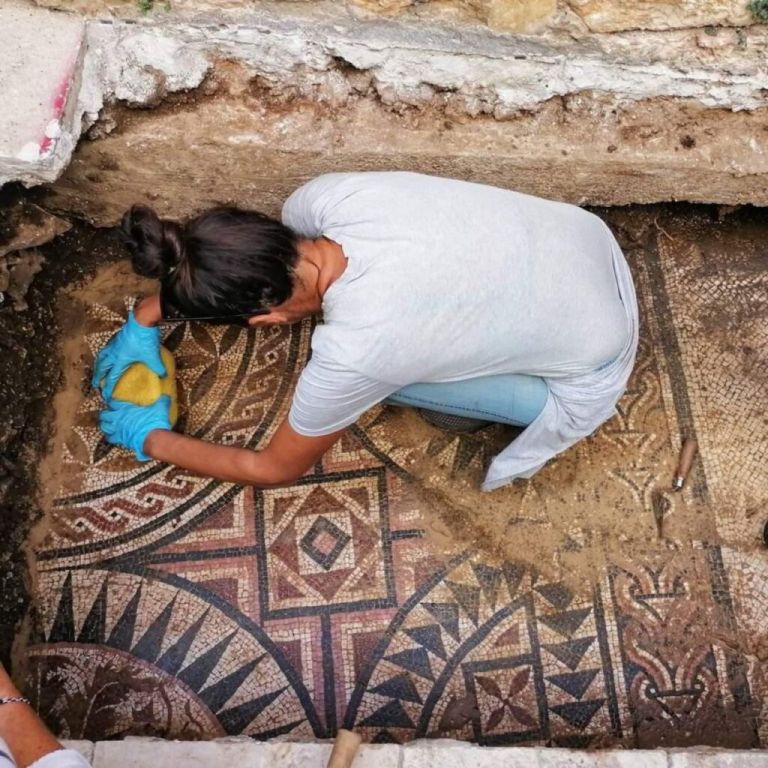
(344, 749)
(687, 454)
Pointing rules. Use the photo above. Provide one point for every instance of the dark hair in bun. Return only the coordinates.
(226, 261)
(157, 245)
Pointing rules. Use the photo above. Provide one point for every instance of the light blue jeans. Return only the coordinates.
(505, 399)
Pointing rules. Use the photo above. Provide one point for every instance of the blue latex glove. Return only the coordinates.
(128, 425)
(133, 343)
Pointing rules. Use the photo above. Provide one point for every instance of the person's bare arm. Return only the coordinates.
(288, 456)
(147, 311)
(22, 729)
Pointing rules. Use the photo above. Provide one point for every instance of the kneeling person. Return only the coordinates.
(455, 297)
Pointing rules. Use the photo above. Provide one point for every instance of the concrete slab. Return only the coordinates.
(40, 64)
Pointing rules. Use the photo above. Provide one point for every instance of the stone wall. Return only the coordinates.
(593, 101)
(506, 15)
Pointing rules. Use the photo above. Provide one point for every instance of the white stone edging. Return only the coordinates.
(242, 752)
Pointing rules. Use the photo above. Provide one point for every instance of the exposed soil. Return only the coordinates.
(566, 527)
(30, 374)
(109, 285)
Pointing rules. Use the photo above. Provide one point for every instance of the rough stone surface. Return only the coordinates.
(410, 64)
(639, 758)
(384, 6)
(445, 753)
(40, 63)
(596, 15)
(226, 753)
(410, 78)
(718, 759)
(619, 15)
(309, 755)
(514, 15)
(423, 70)
(150, 753)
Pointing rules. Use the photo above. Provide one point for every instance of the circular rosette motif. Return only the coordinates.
(121, 654)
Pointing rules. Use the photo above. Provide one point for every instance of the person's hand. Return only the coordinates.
(133, 343)
(128, 425)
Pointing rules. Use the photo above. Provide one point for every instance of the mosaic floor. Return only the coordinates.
(178, 606)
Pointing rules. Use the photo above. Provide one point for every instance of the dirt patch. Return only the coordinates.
(30, 372)
(562, 524)
(109, 286)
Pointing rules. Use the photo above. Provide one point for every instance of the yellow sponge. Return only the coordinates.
(141, 386)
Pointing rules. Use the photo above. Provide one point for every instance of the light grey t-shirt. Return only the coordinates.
(448, 280)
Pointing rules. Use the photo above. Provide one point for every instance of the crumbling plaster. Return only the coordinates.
(488, 73)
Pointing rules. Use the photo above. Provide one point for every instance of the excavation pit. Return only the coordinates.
(383, 591)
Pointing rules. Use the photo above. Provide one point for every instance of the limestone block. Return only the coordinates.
(291, 755)
(566, 758)
(91, 6)
(447, 753)
(151, 753)
(716, 758)
(514, 15)
(377, 756)
(294, 755)
(384, 6)
(85, 748)
(720, 39)
(134, 9)
(153, 65)
(630, 758)
(620, 15)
